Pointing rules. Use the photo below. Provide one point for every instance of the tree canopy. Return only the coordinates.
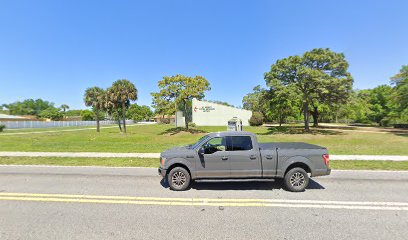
(319, 76)
(179, 90)
(95, 97)
(139, 113)
(257, 101)
(220, 102)
(28, 107)
(120, 94)
(400, 95)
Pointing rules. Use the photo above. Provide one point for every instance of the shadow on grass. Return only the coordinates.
(402, 134)
(173, 131)
(299, 130)
(256, 185)
(363, 125)
(339, 127)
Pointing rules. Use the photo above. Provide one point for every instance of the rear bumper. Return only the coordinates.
(162, 171)
(321, 172)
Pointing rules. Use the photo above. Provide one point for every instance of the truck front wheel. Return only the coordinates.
(178, 179)
(296, 180)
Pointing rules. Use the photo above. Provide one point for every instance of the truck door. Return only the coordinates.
(243, 158)
(214, 162)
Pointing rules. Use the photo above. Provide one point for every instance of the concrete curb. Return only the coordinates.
(157, 155)
(80, 154)
(369, 157)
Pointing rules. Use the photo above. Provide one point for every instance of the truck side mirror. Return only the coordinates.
(201, 151)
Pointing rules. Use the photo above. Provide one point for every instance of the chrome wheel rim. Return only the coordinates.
(178, 179)
(297, 179)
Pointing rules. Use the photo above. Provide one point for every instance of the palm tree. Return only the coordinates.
(94, 97)
(64, 107)
(112, 104)
(123, 91)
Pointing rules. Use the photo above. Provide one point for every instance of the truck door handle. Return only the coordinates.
(252, 157)
(269, 156)
(224, 158)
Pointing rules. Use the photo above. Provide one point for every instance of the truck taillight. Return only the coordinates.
(326, 159)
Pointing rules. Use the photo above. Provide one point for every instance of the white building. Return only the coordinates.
(213, 114)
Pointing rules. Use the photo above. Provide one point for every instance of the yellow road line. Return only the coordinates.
(191, 203)
(201, 200)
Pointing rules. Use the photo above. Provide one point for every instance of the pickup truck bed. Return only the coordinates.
(288, 145)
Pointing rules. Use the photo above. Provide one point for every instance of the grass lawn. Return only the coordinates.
(60, 161)
(153, 162)
(21, 130)
(156, 138)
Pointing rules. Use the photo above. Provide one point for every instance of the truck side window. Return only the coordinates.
(241, 143)
(214, 145)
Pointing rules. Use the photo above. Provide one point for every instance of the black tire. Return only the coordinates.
(178, 179)
(296, 180)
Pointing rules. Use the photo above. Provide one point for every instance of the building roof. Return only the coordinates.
(6, 116)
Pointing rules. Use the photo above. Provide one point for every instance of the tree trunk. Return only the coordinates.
(280, 119)
(97, 120)
(306, 115)
(315, 114)
(124, 116)
(117, 115)
(185, 114)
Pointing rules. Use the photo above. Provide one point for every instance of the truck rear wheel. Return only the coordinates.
(296, 180)
(178, 179)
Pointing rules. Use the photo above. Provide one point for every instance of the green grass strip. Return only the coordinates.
(369, 165)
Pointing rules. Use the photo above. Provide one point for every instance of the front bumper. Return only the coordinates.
(162, 171)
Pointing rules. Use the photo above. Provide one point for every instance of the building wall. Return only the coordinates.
(213, 114)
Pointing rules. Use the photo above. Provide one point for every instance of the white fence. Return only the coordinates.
(41, 124)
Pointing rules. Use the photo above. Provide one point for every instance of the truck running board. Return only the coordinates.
(237, 180)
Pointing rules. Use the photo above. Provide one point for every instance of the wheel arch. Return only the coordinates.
(298, 161)
(178, 164)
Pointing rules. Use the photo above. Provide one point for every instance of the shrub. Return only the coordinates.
(385, 122)
(52, 114)
(165, 120)
(191, 124)
(400, 125)
(2, 127)
(87, 115)
(256, 119)
(73, 113)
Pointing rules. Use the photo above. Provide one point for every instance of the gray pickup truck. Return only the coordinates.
(238, 155)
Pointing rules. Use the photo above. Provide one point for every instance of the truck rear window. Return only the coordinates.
(241, 143)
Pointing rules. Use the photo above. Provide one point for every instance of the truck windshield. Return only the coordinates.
(201, 140)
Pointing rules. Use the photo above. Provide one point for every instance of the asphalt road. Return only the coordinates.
(132, 203)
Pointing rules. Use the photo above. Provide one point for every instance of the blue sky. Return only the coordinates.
(56, 49)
